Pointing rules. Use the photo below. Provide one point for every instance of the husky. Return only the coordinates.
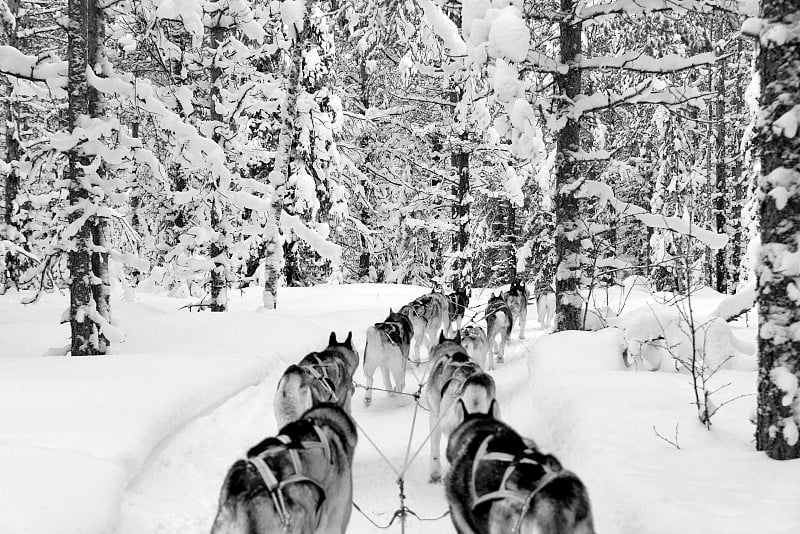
(325, 376)
(299, 482)
(458, 302)
(500, 483)
(430, 315)
(498, 328)
(475, 342)
(388, 346)
(545, 306)
(454, 377)
(516, 298)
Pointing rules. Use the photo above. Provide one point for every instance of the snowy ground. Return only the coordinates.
(139, 442)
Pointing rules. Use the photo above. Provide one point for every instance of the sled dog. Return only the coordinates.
(498, 328)
(457, 301)
(475, 342)
(499, 483)
(299, 482)
(388, 345)
(545, 306)
(325, 376)
(454, 377)
(429, 314)
(516, 298)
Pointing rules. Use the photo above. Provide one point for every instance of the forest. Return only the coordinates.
(205, 150)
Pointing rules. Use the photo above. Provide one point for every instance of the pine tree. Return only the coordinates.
(778, 417)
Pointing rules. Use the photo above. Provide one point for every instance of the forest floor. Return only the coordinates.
(139, 443)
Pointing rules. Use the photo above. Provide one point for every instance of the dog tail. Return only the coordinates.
(561, 507)
(292, 397)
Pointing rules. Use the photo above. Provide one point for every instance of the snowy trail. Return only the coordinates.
(177, 490)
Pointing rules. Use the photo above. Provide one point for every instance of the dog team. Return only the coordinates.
(300, 481)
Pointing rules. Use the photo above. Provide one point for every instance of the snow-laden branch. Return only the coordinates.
(443, 27)
(32, 68)
(320, 245)
(639, 62)
(640, 7)
(605, 195)
(543, 63)
(648, 92)
(202, 152)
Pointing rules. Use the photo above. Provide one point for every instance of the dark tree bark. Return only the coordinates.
(739, 187)
(11, 190)
(463, 267)
(80, 261)
(568, 272)
(778, 415)
(721, 177)
(217, 248)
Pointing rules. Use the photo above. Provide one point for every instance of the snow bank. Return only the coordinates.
(90, 426)
(600, 420)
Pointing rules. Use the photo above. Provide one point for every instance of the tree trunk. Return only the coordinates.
(463, 265)
(101, 284)
(778, 415)
(278, 247)
(80, 261)
(511, 242)
(721, 171)
(217, 249)
(739, 187)
(11, 190)
(568, 244)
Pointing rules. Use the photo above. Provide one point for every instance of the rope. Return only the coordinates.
(385, 459)
(368, 388)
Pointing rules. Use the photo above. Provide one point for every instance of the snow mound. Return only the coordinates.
(659, 338)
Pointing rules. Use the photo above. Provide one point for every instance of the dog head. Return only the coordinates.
(345, 348)
(447, 347)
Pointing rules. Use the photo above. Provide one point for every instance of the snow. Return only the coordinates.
(509, 36)
(443, 27)
(139, 442)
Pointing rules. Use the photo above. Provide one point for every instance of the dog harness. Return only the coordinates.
(526, 457)
(322, 377)
(287, 446)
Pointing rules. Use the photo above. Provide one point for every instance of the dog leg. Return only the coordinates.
(501, 349)
(387, 382)
(523, 317)
(368, 392)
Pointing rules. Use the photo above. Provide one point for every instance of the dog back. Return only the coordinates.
(498, 483)
(516, 298)
(297, 482)
(498, 317)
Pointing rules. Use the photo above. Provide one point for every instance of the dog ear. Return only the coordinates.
(494, 409)
(441, 337)
(332, 339)
(390, 311)
(458, 337)
(349, 340)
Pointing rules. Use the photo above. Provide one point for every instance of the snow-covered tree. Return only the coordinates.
(778, 269)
